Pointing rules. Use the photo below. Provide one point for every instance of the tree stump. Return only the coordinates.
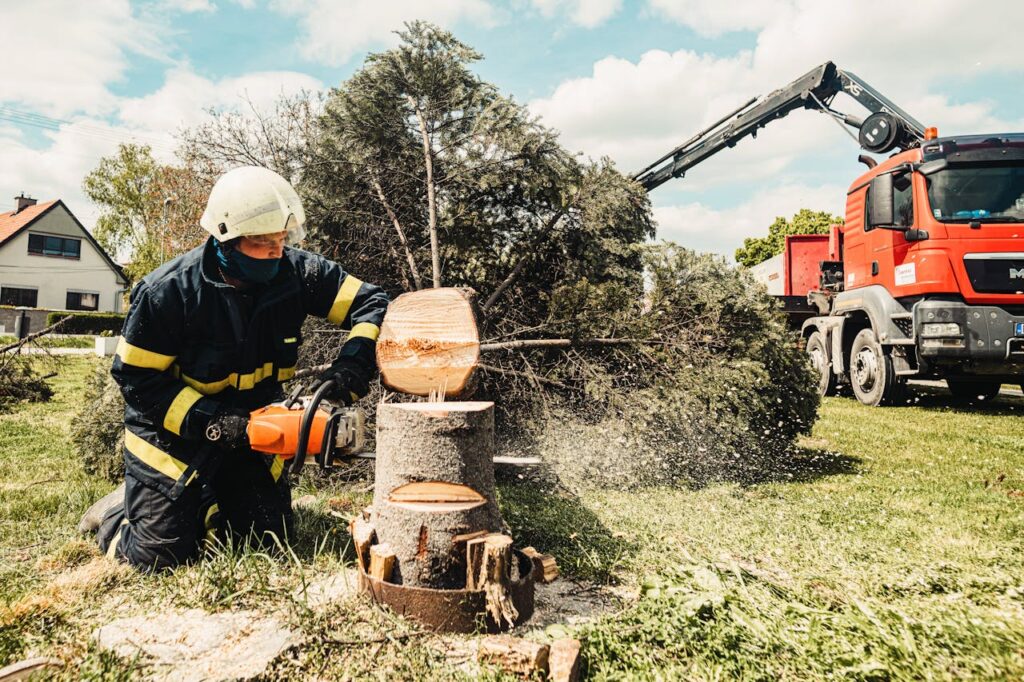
(434, 487)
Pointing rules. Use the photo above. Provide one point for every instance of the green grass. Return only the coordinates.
(891, 546)
(55, 341)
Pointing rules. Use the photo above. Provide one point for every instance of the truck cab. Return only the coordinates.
(926, 276)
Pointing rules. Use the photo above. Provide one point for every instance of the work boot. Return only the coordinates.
(94, 515)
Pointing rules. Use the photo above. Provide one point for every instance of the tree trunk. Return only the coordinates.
(434, 487)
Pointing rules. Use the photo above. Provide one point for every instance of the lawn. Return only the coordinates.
(51, 341)
(891, 546)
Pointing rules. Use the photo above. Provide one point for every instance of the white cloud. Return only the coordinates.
(698, 226)
(335, 31)
(185, 96)
(586, 13)
(56, 170)
(636, 111)
(189, 5)
(60, 57)
(714, 17)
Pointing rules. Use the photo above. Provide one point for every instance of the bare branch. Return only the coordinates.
(435, 254)
(521, 265)
(401, 233)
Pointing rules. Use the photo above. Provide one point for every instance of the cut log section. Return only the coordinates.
(519, 656)
(545, 568)
(362, 537)
(434, 486)
(429, 343)
(382, 562)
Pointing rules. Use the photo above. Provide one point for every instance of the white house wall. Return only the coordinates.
(54, 276)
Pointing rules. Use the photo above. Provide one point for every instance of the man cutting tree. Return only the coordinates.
(209, 337)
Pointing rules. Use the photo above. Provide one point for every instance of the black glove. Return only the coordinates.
(348, 380)
(227, 429)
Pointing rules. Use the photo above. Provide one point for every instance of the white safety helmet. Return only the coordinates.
(249, 201)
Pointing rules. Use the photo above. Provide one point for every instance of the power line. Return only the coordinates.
(84, 129)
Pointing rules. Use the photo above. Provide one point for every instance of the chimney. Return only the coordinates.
(22, 202)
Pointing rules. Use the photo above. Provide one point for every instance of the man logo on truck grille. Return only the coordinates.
(1018, 329)
(1016, 274)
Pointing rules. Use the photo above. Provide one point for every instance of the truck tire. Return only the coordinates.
(973, 391)
(817, 351)
(872, 375)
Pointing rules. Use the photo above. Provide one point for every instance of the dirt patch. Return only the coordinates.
(68, 588)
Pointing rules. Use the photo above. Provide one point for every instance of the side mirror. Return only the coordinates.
(932, 167)
(880, 210)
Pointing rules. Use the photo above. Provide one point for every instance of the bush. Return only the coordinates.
(87, 323)
(19, 382)
(97, 432)
(722, 391)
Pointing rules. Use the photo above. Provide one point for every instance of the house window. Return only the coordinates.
(82, 300)
(19, 296)
(52, 245)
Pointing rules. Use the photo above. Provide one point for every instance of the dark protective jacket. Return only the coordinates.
(192, 343)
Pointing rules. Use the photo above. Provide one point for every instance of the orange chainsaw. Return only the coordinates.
(303, 428)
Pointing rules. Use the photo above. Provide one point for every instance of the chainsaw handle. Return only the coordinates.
(306, 425)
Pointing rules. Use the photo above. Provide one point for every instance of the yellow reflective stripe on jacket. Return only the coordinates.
(242, 382)
(285, 373)
(155, 457)
(276, 467)
(343, 301)
(140, 357)
(182, 403)
(366, 330)
(247, 381)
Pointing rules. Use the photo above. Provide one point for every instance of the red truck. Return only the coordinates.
(926, 276)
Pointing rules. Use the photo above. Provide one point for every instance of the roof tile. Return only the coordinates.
(11, 222)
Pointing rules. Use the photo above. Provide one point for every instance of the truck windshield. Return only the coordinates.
(986, 192)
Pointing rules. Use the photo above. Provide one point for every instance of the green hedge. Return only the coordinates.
(87, 323)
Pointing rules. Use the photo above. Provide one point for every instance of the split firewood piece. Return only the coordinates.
(362, 537)
(519, 656)
(382, 562)
(545, 567)
(429, 342)
(564, 661)
(495, 578)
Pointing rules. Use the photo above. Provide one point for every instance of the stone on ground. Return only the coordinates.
(196, 645)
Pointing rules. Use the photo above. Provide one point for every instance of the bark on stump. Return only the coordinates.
(434, 483)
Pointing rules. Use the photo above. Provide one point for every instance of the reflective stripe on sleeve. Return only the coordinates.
(366, 330)
(153, 456)
(343, 301)
(276, 467)
(182, 403)
(140, 357)
(285, 373)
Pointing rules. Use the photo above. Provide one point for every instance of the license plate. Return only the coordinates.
(1018, 329)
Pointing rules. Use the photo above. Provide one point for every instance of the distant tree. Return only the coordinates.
(149, 212)
(422, 174)
(759, 249)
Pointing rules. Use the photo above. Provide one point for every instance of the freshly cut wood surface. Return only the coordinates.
(362, 537)
(382, 562)
(519, 656)
(429, 343)
(435, 491)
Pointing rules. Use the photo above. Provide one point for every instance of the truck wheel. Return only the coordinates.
(969, 390)
(872, 375)
(818, 354)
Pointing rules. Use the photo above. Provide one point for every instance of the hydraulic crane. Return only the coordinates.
(887, 128)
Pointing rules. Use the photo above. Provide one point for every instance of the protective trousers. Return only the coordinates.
(247, 498)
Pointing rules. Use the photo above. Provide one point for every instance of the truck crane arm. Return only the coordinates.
(887, 128)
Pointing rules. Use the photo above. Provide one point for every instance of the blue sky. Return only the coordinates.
(623, 78)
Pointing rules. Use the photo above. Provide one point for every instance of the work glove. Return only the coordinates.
(227, 429)
(349, 379)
